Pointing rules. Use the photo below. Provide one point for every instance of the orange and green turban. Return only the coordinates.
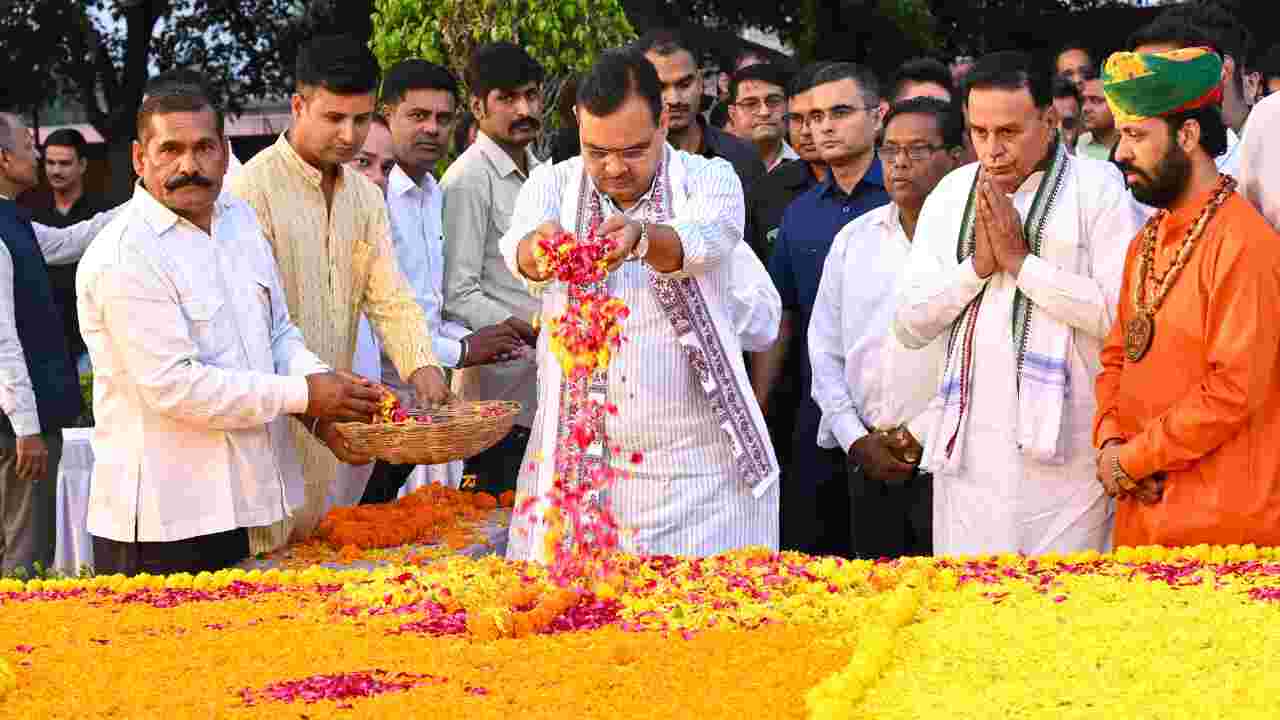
(1140, 86)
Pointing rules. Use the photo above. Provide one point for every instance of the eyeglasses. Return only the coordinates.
(751, 105)
(889, 153)
(836, 113)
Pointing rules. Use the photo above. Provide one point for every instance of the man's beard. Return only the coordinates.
(1161, 187)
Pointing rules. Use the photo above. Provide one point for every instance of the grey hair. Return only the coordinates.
(8, 124)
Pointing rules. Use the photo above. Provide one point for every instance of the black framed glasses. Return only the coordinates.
(889, 153)
(773, 102)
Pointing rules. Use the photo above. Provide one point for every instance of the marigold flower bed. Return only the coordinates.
(1145, 633)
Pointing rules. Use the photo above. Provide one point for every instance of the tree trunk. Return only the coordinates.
(120, 177)
(35, 123)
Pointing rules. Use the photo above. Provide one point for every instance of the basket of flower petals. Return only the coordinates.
(455, 431)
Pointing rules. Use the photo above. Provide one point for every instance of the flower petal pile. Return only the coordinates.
(1142, 633)
(432, 514)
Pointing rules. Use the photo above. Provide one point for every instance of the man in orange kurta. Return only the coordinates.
(1188, 421)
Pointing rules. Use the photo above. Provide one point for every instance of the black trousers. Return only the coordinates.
(814, 502)
(191, 555)
(891, 521)
(496, 469)
(385, 482)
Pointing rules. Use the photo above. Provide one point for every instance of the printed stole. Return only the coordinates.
(683, 302)
(1037, 365)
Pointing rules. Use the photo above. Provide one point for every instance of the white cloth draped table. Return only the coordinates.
(74, 548)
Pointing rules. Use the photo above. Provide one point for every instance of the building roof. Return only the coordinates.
(247, 125)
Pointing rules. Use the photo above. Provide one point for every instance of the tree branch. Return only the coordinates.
(86, 51)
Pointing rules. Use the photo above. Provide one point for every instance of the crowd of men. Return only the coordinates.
(1019, 311)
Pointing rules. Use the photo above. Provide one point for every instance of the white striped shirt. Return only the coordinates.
(684, 497)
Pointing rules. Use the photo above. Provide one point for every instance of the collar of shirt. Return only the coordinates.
(304, 168)
(787, 153)
(794, 175)
(161, 218)
(874, 178)
(499, 158)
(399, 183)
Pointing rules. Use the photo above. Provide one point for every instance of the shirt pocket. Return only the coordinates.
(210, 329)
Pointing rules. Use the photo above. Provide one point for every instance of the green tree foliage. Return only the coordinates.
(564, 35)
(101, 52)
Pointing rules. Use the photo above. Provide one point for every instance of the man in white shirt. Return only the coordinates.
(176, 77)
(39, 392)
(705, 477)
(480, 191)
(1016, 263)
(420, 102)
(866, 383)
(197, 363)
(1260, 159)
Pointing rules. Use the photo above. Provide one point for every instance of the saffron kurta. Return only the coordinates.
(336, 262)
(1203, 405)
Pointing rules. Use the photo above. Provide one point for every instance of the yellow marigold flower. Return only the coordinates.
(8, 679)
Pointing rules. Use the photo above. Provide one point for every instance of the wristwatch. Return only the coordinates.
(1120, 476)
(642, 245)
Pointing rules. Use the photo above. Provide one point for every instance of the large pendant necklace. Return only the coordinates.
(1140, 330)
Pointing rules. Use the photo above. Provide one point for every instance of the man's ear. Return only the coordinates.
(1189, 135)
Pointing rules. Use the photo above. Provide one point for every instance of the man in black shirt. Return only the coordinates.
(681, 104)
(65, 164)
(789, 179)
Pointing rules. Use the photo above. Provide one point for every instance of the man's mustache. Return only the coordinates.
(1126, 168)
(526, 124)
(180, 181)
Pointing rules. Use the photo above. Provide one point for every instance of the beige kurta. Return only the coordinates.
(336, 262)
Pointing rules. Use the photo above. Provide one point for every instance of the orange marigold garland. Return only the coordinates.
(429, 515)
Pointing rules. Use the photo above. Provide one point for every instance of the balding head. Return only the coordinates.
(17, 156)
(10, 126)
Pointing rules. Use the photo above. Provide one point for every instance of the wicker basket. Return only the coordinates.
(457, 431)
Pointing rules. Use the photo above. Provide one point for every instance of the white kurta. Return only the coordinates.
(998, 500)
(863, 378)
(349, 484)
(1229, 161)
(685, 498)
(1260, 159)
